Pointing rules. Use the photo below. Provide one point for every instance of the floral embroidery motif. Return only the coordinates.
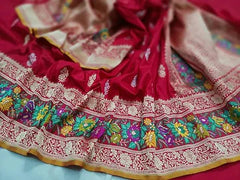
(21, 136)
(91, 80)
(132, 110)
(147, 121)
(63, 74)
(6, 103)
(182, 129)
(31, 59)
(191, 77)
(115, 138)
(134, 133)
(98, 132)
(150, 139)
(106, 87)
(68, 148)
(234, 112)
(221, 148)
(189, 155)
(147, 53)
(84, 125)
(134, 81)
(222, 42)
(158, 163)
(26, 39)
(17, 90)
(161, 71)
(2, 64)
(101, 35)
(227, 127)
(125, 160)
(65, 130)
(202, 131)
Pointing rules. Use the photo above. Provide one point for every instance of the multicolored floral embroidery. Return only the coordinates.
(6, 103)
(191, 77)
(196, 79)
(84, 125)
(183, 129)
(234, 112)
(167, 132)
(224, 43)
(101, 35)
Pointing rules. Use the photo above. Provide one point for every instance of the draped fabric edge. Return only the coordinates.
(34, 31)
(89, 167)
(108, 62)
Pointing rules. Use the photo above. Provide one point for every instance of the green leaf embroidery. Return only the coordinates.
(128, 125)
(141, 142)
(124, 135)
(186, 140)
(79, 133)
(144, 128)
(109, 133)
(233, 103)
(124, 127)
(114, 128)
(132, 145)
(179, 120)
(213, 128)
(194, 136)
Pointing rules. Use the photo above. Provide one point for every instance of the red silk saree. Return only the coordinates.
(139, 89)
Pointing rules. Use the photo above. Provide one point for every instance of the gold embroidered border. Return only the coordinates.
(93, 156)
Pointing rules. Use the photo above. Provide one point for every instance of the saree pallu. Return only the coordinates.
(138, 89)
